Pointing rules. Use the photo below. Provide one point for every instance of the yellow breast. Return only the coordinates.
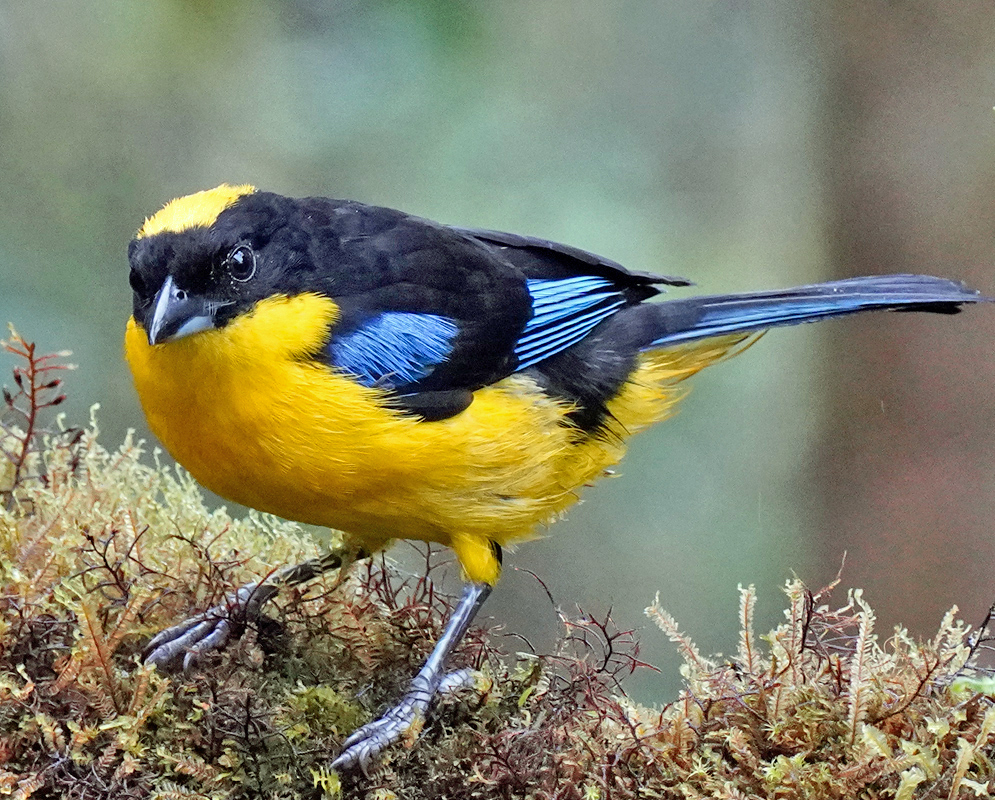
(254, 418)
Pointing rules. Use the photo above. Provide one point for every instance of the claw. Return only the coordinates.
(174, 634)
(190, 639)
(210, 630)
(405, 718)
(213, 629)
(364, 745)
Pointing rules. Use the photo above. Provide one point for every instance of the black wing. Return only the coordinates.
(433, 313)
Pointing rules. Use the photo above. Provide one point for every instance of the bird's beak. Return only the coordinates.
(176, 314)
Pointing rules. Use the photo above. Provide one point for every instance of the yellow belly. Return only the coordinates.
(256, 420)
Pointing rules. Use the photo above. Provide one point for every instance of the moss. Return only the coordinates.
(102, 548)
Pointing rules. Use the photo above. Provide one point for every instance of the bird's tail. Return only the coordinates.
(695, 318)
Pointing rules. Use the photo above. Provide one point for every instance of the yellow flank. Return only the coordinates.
(198, 210)
(252, 417)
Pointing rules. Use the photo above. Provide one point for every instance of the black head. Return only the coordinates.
(206, 258)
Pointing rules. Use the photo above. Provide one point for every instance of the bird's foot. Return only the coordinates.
(213, 629)
(367, 743)
(406, 717)
(210, 630)
(403, 721)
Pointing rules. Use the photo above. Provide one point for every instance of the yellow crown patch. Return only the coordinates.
(198, 210)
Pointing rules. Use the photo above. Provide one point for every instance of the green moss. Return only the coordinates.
(310, 711)
(101, 548)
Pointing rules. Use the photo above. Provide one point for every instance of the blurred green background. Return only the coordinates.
(744, 144)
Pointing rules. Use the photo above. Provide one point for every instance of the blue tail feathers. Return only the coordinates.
(695, 318)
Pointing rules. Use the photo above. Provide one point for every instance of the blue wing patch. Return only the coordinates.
(394, 348)
(564, 311)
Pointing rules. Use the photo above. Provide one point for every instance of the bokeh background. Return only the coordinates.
(744, 144)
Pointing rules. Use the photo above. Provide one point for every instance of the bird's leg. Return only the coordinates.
(370, 740)
(213, 628)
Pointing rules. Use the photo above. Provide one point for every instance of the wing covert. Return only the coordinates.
(394, 349)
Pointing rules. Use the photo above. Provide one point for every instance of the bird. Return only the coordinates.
(360, 368)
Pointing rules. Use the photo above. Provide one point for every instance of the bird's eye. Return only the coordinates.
(241, 263)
